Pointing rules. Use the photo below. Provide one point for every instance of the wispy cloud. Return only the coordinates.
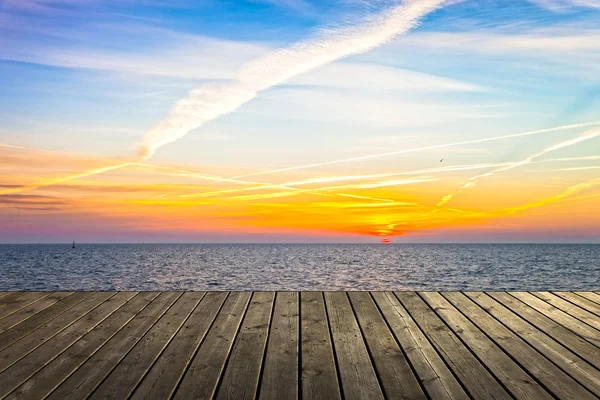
(209, 102)
(592, 134)
(380, 77)
(565, 5)
(419, 149)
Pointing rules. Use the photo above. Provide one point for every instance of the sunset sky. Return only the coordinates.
(299, 121)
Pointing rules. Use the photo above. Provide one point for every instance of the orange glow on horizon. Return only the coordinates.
(92, 193)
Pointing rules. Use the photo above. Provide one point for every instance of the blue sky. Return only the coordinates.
(102, 73)
(92, 78)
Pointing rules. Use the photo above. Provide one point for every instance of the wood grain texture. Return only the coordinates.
(357, 373)
(92, 372)
(565, 359)
(475, 377)
(558, 332)
(162, 380)
(393, 369)
(431, 369)
(319, 374)
(123, 380)
(550, 376)
(240, 380)
(280, 372)
(292, 345)
(205, 370)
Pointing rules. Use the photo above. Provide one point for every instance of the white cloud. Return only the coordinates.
(562, 5)
(358, 108)
(165, 53)
(209, 102)
(539, 41)
(380, 77)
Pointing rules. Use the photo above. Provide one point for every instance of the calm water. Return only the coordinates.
(300, 267)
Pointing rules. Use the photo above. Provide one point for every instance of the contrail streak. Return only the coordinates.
(207, 103)
(290, 185)
(418, 149)
(578, 168)
(317, 191)
(11, 146)
(472, 181)
(55, 181)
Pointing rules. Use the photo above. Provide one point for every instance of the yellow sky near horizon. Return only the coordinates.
(45, 189)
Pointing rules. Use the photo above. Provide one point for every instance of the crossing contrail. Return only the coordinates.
(207, 103)
(417, 149)
(471, 182)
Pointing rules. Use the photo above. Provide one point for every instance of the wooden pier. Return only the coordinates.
(307, 345)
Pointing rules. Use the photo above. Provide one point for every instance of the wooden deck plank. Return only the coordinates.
(82, 382)
(23, 329)
(534, 363)
(242, 374)
(514, 378)
(17, 300)
(590, 296)
(310, 345)
(31, 309)
(123, 380)
(571, 323)
(50, 349)
(63, 365)
(397, 378)
(580, 301)
(477, 380)
(430, 368)
(572, 341)
(319, 373)
(163, 378)
(568, 361)
(357, 373)
(206, 368)
(570, 308)
(2, 294)
(29, 343)
(280, 372)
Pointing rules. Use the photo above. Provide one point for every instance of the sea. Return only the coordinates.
(269, 267)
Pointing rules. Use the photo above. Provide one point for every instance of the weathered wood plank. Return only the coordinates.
(23, 329)
(17, 300)
(205, 370)
(577, 368)
(29, 343)
(346, 345)
(241, 377)
(430, 368)
(580, 301)
(357, 374)
(50, 349)
(553, 378)
(123, 380)
(477, 380)
(514, 378)
(163, 378)
(569, 308)
(575, 343)
(319, 373)
(590, 296)
(573, 324)
(392, 367)
(92, 372)
(28, 311)
(280, 372)
(56, 371)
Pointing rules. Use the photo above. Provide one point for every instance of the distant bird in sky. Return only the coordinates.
(441, 160)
